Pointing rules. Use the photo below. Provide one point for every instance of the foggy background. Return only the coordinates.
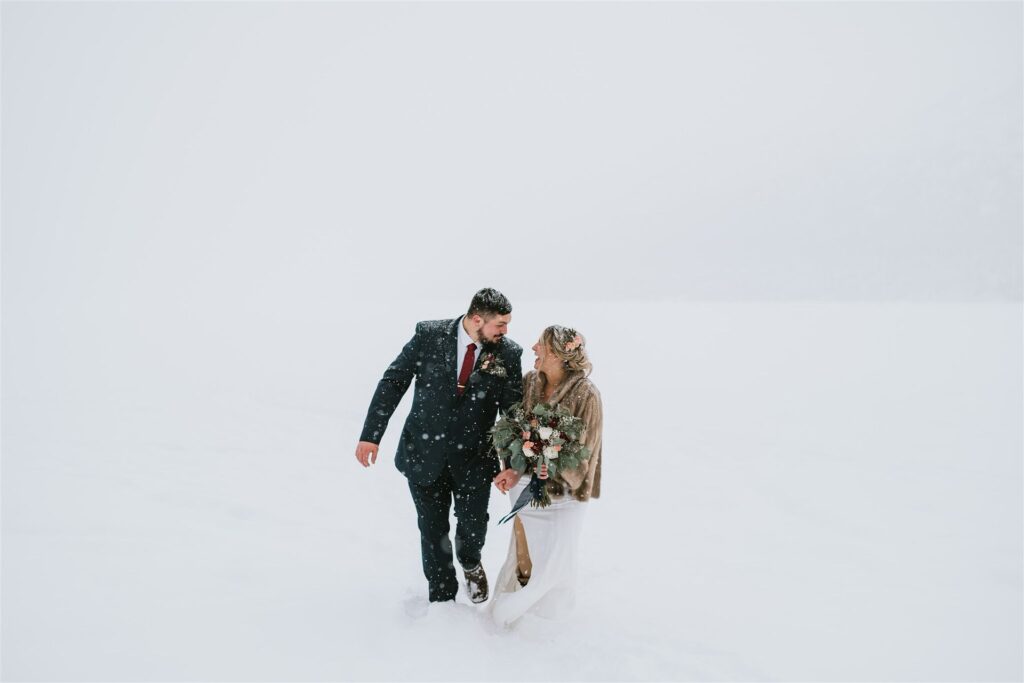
(791, 232)
(213, 154)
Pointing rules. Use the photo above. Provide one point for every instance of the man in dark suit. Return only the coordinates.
(466, 369)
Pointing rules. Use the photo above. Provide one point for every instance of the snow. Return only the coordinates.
(791, 492)
(221, 222)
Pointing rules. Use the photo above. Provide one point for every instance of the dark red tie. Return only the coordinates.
(467, 367)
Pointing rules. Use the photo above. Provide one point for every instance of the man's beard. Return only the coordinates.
(482, 338)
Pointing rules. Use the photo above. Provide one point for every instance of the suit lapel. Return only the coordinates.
(451, 354)
(474, 376)
(486, 349)
(451, 341)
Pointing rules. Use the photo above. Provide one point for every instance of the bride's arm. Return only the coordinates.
(592, 415)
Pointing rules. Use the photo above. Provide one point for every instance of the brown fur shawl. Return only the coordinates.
(580, 397)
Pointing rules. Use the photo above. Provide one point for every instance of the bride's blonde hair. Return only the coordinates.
(569, 346)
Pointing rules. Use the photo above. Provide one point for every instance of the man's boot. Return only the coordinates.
(476, 583)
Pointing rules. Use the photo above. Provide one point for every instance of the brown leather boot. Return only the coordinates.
(476, 584)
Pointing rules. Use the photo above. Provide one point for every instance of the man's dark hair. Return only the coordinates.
(488, 303)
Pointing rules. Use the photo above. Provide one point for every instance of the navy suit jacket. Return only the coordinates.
(443, 427)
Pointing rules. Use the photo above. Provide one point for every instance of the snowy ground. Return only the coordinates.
(791, 492)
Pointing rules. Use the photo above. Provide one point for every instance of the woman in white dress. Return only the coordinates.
(539, 573)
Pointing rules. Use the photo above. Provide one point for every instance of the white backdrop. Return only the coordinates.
(681, 150)
(791, 231)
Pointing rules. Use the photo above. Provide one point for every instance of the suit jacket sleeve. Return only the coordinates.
(390, 390)
(512, 393)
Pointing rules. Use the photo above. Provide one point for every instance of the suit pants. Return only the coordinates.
(433, 507)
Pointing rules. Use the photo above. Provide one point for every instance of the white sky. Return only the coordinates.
(289, 152)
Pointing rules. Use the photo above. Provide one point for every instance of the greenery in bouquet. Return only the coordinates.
(544, 435)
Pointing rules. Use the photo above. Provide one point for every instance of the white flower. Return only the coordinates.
(527, 450)
(545, 432)
(550, 453)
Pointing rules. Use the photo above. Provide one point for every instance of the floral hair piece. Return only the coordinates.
(572, 345)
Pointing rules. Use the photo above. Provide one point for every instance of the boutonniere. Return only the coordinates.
(492, 365)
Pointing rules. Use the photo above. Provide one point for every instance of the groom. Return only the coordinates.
(465, 370)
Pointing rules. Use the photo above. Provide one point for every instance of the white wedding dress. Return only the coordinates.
(552, 537)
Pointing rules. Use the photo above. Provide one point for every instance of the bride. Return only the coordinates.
(539, 573)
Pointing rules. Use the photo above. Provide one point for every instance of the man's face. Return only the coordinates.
(492, 330)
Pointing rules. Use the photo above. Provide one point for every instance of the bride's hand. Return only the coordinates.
(506, 479)
(543, 472)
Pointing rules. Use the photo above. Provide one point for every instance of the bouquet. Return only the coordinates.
(544, 435)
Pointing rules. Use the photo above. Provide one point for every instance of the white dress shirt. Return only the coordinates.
(460, 352)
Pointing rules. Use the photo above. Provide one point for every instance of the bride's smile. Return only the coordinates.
(539, 356)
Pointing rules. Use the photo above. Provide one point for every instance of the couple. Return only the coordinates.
(466, 370)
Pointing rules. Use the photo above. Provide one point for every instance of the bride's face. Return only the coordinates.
(545, 361)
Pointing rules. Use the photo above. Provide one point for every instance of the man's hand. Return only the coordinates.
(366, 453)
(506, 479)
